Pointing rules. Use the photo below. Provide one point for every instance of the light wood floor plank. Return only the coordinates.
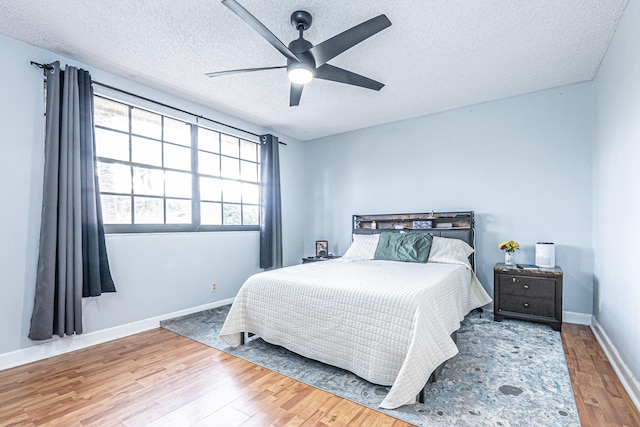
(159, 378)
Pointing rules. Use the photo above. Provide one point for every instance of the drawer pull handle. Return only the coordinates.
(526, 286)
(526, 304)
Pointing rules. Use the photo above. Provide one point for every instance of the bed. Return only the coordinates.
(387, 321)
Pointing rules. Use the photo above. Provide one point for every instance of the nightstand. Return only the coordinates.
(534, 295)
(317, 258)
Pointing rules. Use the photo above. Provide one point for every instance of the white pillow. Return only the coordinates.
(449, 251)
(363, 246)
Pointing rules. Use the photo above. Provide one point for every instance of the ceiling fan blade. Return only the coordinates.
(295, 94)
(259, 27)
(335, 74)
(334, 46)
(242, 70)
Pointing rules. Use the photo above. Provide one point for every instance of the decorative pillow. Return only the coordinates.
(408, 247)
(363, 246)
(449, 251)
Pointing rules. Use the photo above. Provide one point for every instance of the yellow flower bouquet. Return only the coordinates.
(510, 246)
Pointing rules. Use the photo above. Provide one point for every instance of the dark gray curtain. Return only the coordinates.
(271, 208)
(73, 259)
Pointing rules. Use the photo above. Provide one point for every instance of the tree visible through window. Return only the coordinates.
(158, 173)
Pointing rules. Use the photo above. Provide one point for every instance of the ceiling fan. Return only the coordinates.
(306, 61)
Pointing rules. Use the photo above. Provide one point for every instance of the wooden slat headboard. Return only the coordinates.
(452, 225)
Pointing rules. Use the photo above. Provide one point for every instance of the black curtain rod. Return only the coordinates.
(197, 116)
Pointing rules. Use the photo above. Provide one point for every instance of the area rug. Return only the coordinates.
(508, 373)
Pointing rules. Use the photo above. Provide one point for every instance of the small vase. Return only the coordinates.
(507, 258)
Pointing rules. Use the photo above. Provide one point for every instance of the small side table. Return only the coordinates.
(534, 295)
(317, 258)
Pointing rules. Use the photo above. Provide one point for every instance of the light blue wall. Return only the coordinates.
(616, 190)
(155, 274)
(523, 164)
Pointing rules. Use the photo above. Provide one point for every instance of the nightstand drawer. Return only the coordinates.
(529, 286)
(527, 305)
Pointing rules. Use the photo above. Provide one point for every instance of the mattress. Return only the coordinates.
(388, 322)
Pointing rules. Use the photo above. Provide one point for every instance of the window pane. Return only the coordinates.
(178, 184)
(147, 151)
(209, 163)
(208, 140)
(177, 157)
(230, 146)
(248, 171)
(111, 114)
(148, 210)
(248, 151)
(210, 189)
(114, 177)
(250, 193)
(231, 191)
(116, 209)
(113, 145)
(146, 123)
(177, 131)
(211, 213)
(230, 168)
(250, 215)
(231, 215)
(178, 211)
(149, 182)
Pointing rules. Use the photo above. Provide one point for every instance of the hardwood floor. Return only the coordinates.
(158, 378)
(600, 397)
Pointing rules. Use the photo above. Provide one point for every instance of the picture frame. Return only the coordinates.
(322, 248)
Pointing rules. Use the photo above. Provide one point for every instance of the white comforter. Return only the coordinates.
(388, 322)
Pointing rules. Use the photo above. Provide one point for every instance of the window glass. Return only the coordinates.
(112, 145)
(146, 123)
(208, 140)
(230, 168)
(248, 171)
(111, 114)
(178, 211)
(148, 210)
(248, 150)
(114, 177)
(116, 209)
(210, 189)
(250, 215)
(231, 214)
(230, 146)
(208, 163)
(211, 213)
(250, 193)
(149, 182)
(231, 191)
(177, 184)
(176, 157)
(147, 151)
(177, 131)
(167, 174)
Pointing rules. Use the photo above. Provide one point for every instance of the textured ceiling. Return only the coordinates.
(437, 55)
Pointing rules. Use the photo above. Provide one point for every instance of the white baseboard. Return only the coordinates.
(57, 346)
(628, 380)
(577, 318)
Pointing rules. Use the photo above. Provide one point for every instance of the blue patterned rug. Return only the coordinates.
(508, 373)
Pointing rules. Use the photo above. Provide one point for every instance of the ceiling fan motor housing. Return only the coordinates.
(301, 20)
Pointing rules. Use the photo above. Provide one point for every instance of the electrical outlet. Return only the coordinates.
(214, 287)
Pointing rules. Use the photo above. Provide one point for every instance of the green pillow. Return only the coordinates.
(408, 247)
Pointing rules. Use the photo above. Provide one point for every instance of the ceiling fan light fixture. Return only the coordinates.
(300, 73)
